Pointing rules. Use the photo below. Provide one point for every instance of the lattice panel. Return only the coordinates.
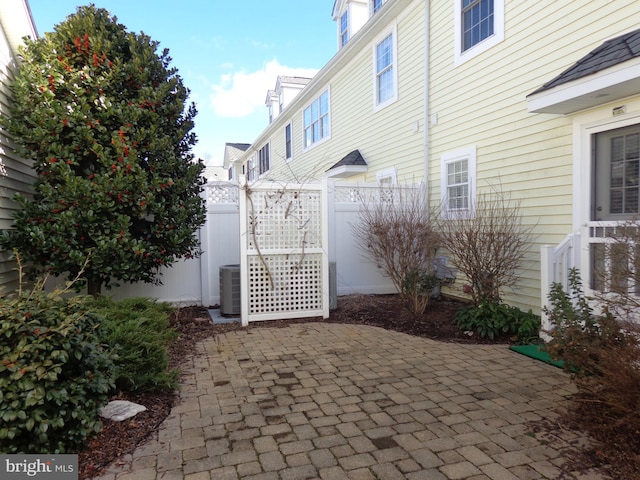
(288, 283)
(222, 193)
(371, 193)
(284, 220)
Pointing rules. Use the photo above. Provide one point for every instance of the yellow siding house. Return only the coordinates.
(539, 99)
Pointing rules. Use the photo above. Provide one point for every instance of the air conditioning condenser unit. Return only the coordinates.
(230, 290)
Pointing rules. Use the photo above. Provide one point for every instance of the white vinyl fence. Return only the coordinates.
(197, 281)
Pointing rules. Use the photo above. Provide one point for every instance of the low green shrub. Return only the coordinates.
(579, 337)
(138, 332)
(491, 319)
(54, 374)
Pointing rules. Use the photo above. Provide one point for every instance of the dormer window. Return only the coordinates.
(350, 16)
(377, 5)
(344, 28)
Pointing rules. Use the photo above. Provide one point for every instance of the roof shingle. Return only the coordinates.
(610, 53)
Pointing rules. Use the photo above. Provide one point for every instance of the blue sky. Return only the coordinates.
(228, 53)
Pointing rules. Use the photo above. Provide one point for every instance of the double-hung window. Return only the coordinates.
(477, 22)
(458, 182)
(251, 169)
(385, 67)
(263, 160)
(288, 147)
(479, 25)
(316, 120)
(344, 28)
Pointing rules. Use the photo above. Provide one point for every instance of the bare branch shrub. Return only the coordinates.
(396, 233)
(489, 245)
(616, 270)
(602, 353)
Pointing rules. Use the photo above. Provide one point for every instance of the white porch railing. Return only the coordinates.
(555, 263)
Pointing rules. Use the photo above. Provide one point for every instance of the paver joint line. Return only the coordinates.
(322, 400)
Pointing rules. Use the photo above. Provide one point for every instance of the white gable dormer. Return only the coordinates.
(286, 90)
(350, 16)
(272, 104)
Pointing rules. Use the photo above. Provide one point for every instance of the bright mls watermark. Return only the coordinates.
(39, 466)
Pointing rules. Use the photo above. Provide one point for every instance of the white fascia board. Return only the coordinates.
(345, 171)
(614, 83)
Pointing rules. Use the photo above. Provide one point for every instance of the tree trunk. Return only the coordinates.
(94, 287)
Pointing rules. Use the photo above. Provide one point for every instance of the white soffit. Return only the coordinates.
(606, 86)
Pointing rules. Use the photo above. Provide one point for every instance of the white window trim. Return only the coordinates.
(371, 4)
(290, 125)
(497, 37)
(585, 126)
(393, 31)
(347, 30)
(267, 148)
(306, 148)
(387, 173)
(252, 172)
(470, 154)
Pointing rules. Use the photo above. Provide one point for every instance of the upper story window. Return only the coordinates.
(479, 25)
(458, 171)
(263, 160)
(377, 5)
(316, 120)
(477, 22)
(344, 28)
(386, 78)
(251, 169)
(288, 147)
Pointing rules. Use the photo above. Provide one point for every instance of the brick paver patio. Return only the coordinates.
(330, 401)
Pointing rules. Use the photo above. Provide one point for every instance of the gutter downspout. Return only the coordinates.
(426, 100)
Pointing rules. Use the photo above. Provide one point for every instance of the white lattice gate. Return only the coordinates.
(283, 253)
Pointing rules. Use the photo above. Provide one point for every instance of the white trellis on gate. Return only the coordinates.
(283, 251)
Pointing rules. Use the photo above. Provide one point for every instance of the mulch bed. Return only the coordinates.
(194, 324)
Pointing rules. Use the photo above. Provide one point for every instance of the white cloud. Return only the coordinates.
(239, 94)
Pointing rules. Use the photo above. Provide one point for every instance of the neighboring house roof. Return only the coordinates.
(350, 164)
(294, 80)
(233, 151)
(238, 146)
(610, 53)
